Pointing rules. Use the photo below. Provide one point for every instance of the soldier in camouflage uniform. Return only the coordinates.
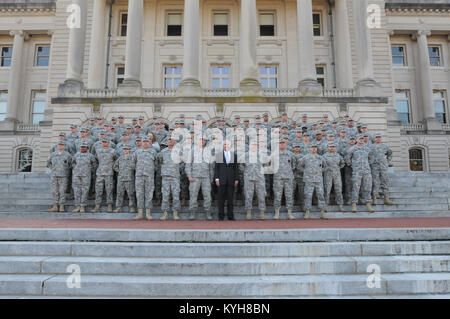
(298, 175)
(348, 170)
(83, 164)
(124, 166)
(144, 161)
(170, 172)
(313, 166)
(106, 157)
(253, 170)
(283, 179)
(382, 156)
(200, 171)
(73, 135)
(332, 176)
(60, 163)
(359, 156)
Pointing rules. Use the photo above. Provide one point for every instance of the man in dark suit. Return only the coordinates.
(226, 177)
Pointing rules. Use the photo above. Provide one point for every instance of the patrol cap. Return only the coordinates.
(283, 140)
(234, 123)
(258, 122)
(137, 125)
(306, 134)
(164, 142)
(331, 144)
(198, 117)
(83, 144)
(113, 118)
(237, 117)
(92, 118)
(221, 119)
(317, 133)
(246, 120)
(313, 144)
(366, 135)
(104, 140)
(334, 122)
(284, 125)
(141, 117)
(351, 120)
(62, 143)
(330, 133)
(126, 147)
(73, 126)
(321, 122)
(284, 113)
(265, 114)
(352, 137)
(181, 115)
(360, 136)
(100, 117)
(298, 130)
(296, 145)
(138, 139)
(103, 132)
(146, 138)
(358, 124)
(124, 133)
(304, 115)
(363, 126)
(129, 127)
(378, 135)
(325, 115)
(134, 119)
(171, 127)
(83, 129)
(62, 134)
(343, 122)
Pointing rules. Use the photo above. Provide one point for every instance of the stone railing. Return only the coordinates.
(414, 127)
(446, 127)
(280, 92)
(338, 93)
(28, 127)
(100, 93)
(220, 92)
(159, 92)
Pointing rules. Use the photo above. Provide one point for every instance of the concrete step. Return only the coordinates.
(220, 266)
(226, 286)
(225, 250)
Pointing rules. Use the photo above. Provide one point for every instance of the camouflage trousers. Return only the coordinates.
(269, 184)
(194, 188)
(309, 191)
(101, 183)
(59, 185)
(122, 187)
(170, 185)
(286, 185)
(299, 186)
(81, 186)
(380, 179)
(333, 179)
(348, 182)
(249, 190)
(184, 186)
(361, 181)
(145, 185)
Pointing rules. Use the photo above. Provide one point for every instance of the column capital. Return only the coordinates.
(17, 32)
(426, 33)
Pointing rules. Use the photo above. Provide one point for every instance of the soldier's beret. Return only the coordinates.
(62, 143)
(62, 134)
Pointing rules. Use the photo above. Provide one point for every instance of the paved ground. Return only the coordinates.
(241, 224)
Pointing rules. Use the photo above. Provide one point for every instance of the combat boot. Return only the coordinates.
(109, 210)
(82, 209)
(341, 208)
(369, 208)
(387, 201)
(261, 214)
(118, 209)
(349, 202)
(61, 208)
(175, 215)
(76, 209)
(96, 209)
(354, 209)
(54, 209)
(249, 214)
(132, 209)
(164, 216)
(307, 213)
(148, 214)
(374, 200)
(322, 214)
(140, 214)
(192, 215)
(208, 216)
(289, 213)
(277, 214)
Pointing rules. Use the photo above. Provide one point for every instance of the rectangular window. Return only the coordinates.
(398, 55)
(123, 24)
(172, 76)
(42, 55)
(39, 99)
(120, 74)
(267, 24)
(402, 105)
(220, 24)
(317, 24)
(174, 23)
(6, 56)
(3, 104)
(320, 73)
(435, 55)
(220, 76)
(268, 76)
(440, 106)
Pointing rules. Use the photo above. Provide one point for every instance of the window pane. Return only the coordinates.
(320, 70)
(263, 70)
(220, 30)
(441, 117)
(44, 51)
(7, 51)
(216, 83)
(40, 95)
(321, 81)
(398, 61)
(402, 106)
(37, 118)
(403, 117)
(220, 19)
(225, 70)
(397, 50)
(176, 82)
(317, 31)
(2, 117)
(177, 70)
(225, 83)
(273, 83)
(168, 83)
(124, 18)
(3, 95)
(439, 106)
(266, 30)
(435, 62)
(316, 18)
(267, 19)
(273, 70)
(433, 51)
(174, 19)
(215, 70)
(174, 30)
(38, 107)
(264, 83)
(168, 70)
(123, 31)
(120, 70)
(42, 61)
(401, 95)
(3, 107)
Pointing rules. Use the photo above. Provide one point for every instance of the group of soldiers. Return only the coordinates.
(143, 161)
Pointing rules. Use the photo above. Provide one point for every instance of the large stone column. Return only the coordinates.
(73, 84)
(343, 64)
(249, 76)
(426, 83)
(96, 74)
(308, 84)
(15, 75)
(190, 84)
(131, 84)
(366, 85)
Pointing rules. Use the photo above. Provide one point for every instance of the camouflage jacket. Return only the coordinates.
(169, 166)
(60, 163)
(125, 166)
(83, 164)
(359, 158)
(205, 167)
(69, 147)
(287, 164)
(144, 161)
(312, 167)
(334, 162)
(106, 159)
(381, 156)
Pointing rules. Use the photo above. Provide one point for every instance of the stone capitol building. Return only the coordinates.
(386, 63)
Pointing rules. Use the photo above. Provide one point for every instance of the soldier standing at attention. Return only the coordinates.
(170, 172)
(106, 157)
(382, 156)
(83, 165)
(124, 166)
(283, 179)
(60, 163)
(359, 156)
(144, 161)
(332, 176)
(313, 166)
(298, 175)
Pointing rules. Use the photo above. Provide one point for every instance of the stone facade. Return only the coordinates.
(359, 78)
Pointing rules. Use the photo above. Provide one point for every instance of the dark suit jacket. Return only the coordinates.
(227, 174)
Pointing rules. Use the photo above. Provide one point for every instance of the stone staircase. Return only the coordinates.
(307, 263)
(28, 195)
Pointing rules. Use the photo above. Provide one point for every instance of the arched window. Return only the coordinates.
(416, 159)
(24, 160)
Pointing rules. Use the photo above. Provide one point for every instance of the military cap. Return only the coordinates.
(100, 117)
(284, 125)
(342, 122)
(303, 126)
(181, 122)
(346, 115)
(296, 145)
(113, 118)
(107, 124)
(126, 147)
(181, 115)
(283, 140)
(321, 122)
(277, 124)
(62, 143)
(378, 135)
(138, 139)
(62, 134)
(358, 124)
(265, 114)
(359, 136)
(258, 122)
(298, 130)
(234, 123)
(330, 133)
(83, 144)
(171, 127)
(103, 132)
(105, 140)
(146, 138)
(237, 116)
(304, 115)
(334, 122)
(246, 120)
(198, 117)
(325, 115)
(313, 144)
(73, 126)
(88, 129)
(363, 126)
(203, 120)
(366, 135)
(120, 116)
(125, 133)
(284, 113)
(137, 124)
(221, 119)
(141, 117)
(134, 119)
(352, 137)
(317, 133)
(351, 120)
(331, 144)
(129, 127)
(92, 118)
(83, 129)
(164, 142)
